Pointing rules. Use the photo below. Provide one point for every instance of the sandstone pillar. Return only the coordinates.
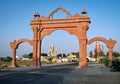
(82, 53)
(13, 65)
(39, 54)
(110, 56)
(13, 46)
(35, 44)
(110, 46)
(34, 53)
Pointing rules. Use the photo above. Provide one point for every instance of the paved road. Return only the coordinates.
(44, 75)
(62, 74)
(93, 74)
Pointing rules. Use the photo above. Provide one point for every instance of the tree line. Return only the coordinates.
(30, 55)
(96, 54)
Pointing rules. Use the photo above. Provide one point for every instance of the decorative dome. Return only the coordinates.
(36, 15)
(84, 11)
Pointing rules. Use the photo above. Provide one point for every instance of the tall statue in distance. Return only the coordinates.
(52, 51)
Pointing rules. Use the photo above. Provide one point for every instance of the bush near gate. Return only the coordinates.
(115, 65)
(105, 61)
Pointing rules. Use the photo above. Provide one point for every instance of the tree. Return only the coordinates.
(96, 54)
(59, 55)
(116, 54)
(8, 59)
(76, 53)
(91, 54)
(101, 53)
(30, 55)
(62, 55)
(25, 56)
(44, 54)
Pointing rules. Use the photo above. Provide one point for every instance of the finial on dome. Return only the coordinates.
(36, 15)
(84, 12)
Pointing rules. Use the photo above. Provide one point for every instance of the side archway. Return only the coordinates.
(109, 43)
(97, 39)
(14, 45)
(23, 40)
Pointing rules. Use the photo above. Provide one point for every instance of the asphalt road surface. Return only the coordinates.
(61, 74)
(44, 75)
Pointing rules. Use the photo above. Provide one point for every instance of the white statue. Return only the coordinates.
(52, 51)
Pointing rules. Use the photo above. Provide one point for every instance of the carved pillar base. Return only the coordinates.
(12, 65)
(34, 64)
(82, 65)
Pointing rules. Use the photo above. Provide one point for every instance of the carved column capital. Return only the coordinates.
(111, 43)
(35, 29)
(84, 26)
(13, 44)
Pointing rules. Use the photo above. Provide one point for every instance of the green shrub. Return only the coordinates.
(105, 61)
(116, 65)
(6, 59)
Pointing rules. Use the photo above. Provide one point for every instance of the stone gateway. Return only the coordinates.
(74, 24)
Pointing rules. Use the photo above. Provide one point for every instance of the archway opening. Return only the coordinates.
(24, 54)
(97, 51)
(65, 44)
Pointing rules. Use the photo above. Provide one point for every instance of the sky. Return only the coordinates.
(15, 17)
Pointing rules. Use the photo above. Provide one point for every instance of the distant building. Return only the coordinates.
(26, 58)
(72, 57)
(52, 51)
(98, 47)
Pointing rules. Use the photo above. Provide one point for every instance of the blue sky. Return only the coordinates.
(15, 16)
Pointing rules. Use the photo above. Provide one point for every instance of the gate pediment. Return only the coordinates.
(59, 8)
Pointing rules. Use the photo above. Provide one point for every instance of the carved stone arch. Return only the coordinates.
(98, 39)
(41, 26)
(109, 43)
(47, 32)
(23, 40)
(59, 8)
(77, 25)
(14, 46)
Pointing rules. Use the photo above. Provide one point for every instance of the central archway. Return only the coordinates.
(62, 40)
(76, 25)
